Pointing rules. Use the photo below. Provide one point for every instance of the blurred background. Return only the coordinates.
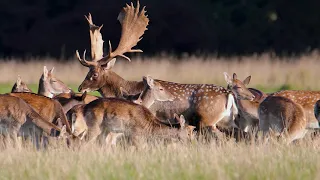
(274, 41)
(57, 28)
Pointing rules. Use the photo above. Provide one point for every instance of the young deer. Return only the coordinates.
(49, 85)
(248, 110)
(51, 110)
(20, 86)
(283, 117)
(121, 116)
(16, 113)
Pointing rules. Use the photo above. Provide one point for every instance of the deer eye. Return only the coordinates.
(161, 89)
(95, 75)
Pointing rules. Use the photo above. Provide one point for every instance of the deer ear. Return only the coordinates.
(227, 78)
(51, 70)
(45, 72)
(18, 81)
(150, 82)
(247, 80)
(235, 76)
(110, 64)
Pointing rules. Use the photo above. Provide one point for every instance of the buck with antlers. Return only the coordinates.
(100, 76)
(209, 103)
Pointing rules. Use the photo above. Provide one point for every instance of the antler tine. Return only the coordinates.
(134, 23)
(83, 61)
(96, 39)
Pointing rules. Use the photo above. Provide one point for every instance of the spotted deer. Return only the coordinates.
(248, 109)
(51, 110)
(283, 117)
(203, 103)
(121, 116)
(15, 113)
(20, 86)
(307, 99)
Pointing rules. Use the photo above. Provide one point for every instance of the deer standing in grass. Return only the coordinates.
(279, 114)
(18, 117)
(208, 103)
(82, 121)
(51, 110)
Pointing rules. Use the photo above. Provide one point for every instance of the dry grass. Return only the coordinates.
(269, 73)
(223, 160)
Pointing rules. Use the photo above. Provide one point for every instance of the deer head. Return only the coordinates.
(134, 23)
(153, 91)
(49, 85)
(20, 86)
(238, 87)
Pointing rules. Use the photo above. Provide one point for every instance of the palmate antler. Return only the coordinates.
(134, 23)
(96, 39)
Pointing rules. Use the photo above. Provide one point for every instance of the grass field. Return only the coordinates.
(224, 159)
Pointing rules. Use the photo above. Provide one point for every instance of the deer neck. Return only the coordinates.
(113, 82)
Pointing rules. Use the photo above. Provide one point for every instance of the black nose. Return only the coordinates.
(80, 88)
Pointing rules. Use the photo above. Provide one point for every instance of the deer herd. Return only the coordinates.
(150, 107)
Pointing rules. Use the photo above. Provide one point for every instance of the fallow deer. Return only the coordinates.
(66, 97)
(73, 99)
(248, 110)
(306, 99)
(100, 76)
(51, 110)
(14, 113)
(20, 86)
(121, 116)
(283, 117)
(208, 103)
(49, 85)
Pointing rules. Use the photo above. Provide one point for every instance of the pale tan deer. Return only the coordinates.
(152, 92)
(121, 116)
(51, 110)
(248, 110)
(49, 85)
(15, 113)
(283, 117)
(20, 86)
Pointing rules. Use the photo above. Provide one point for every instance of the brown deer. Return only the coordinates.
(20, 86)
(51, 110)
(73, 99)
(248, 110)
(307, 99)
(15, 113)
(121, 116)
(49, 85)
(283, 117)
(100, 76)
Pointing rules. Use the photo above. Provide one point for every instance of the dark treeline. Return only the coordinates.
(224, 27)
